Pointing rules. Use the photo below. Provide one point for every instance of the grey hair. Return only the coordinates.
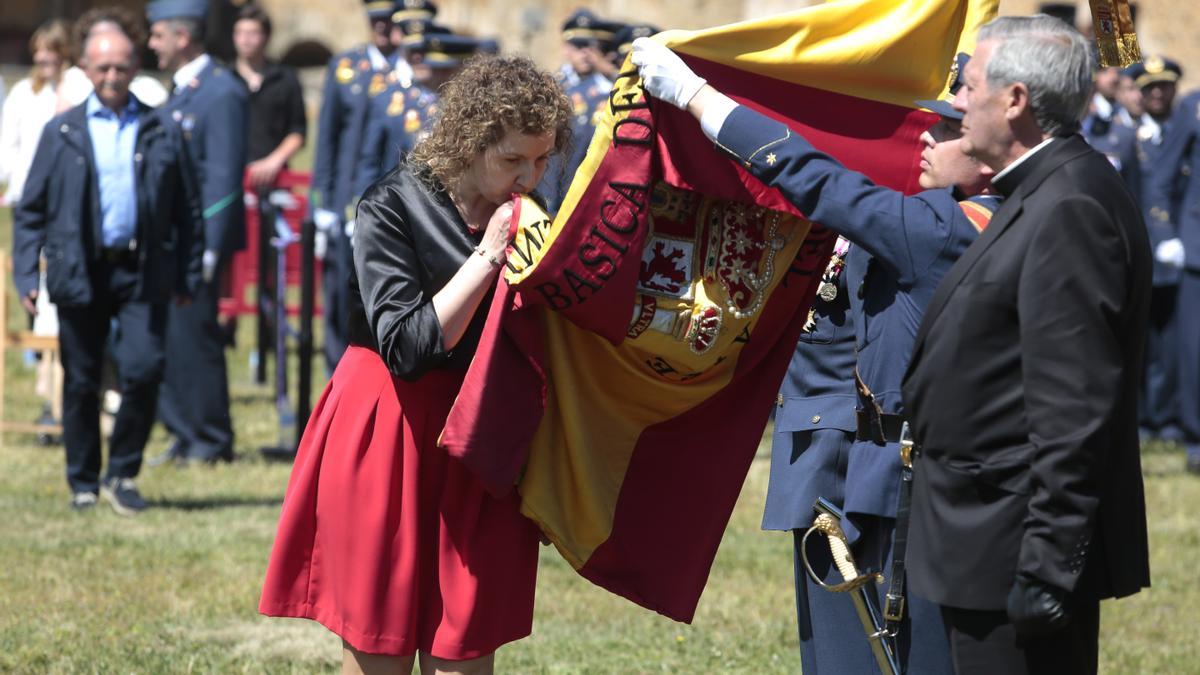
(193, 27)
(1051, 59)
(108, 27)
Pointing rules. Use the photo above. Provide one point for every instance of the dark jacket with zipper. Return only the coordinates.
(59, 213)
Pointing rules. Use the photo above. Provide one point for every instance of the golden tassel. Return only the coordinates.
(1116, 40)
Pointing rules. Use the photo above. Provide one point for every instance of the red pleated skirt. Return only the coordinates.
(385, 539)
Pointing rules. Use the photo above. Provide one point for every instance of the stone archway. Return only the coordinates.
(305, 54)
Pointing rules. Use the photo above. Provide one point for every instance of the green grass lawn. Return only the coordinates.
(175, 589)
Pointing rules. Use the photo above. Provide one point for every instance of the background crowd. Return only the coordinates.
(241, 123)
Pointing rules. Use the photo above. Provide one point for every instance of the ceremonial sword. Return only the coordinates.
(829, 523)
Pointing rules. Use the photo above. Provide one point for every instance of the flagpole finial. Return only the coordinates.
(1112, 22)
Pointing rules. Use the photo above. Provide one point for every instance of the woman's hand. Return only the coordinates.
(456, 303)
(495, 237)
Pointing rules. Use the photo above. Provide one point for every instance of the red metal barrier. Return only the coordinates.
(241, 282)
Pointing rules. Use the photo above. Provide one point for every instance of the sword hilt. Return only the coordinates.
(842, 558)
(828, 524)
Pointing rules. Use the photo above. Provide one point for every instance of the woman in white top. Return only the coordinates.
(30, 105)
(27, 109)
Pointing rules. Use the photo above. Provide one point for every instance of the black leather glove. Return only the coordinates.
(1036, 608)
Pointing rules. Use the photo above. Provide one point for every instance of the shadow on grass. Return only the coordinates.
(253, 397)
(210, 503)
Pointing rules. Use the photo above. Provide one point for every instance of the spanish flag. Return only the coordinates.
(638, 338)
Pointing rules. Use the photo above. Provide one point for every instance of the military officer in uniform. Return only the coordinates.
(400, 118)
(586, 38)
(1129, 97)
(1174, 197)
(1105, 131)
(353, 78)
(837, 433)
(1160, 407)
(211, 106)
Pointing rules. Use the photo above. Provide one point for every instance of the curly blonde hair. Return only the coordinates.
(490, 97)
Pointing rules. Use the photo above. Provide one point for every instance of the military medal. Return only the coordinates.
(827, 289)
(377, 85)
(344, 72)
(396, 106)
(412, 121)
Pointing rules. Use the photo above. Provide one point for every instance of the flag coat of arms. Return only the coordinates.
(638, 338)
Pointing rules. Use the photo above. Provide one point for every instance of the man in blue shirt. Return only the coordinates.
(110, 206)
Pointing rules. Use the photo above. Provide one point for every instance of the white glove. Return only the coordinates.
(324, 219)
(1170, 252)
(320, 244)
(208, 265)
(664, 75)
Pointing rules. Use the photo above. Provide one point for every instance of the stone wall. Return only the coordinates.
(1164, 27)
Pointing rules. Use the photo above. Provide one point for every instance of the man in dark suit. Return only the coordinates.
(108, 203)
(1028, 506)
(210, 107)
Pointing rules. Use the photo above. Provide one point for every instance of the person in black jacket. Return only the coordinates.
(109, 204)
(1028, 505)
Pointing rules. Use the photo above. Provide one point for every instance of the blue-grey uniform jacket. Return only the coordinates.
(212, 112)
(59, 213)
(814, 417)
(910, 243)
(350, 86)
(1173, 189)
(395, 122)
(588, 96)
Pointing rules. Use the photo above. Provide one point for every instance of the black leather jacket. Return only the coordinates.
(409, 240)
